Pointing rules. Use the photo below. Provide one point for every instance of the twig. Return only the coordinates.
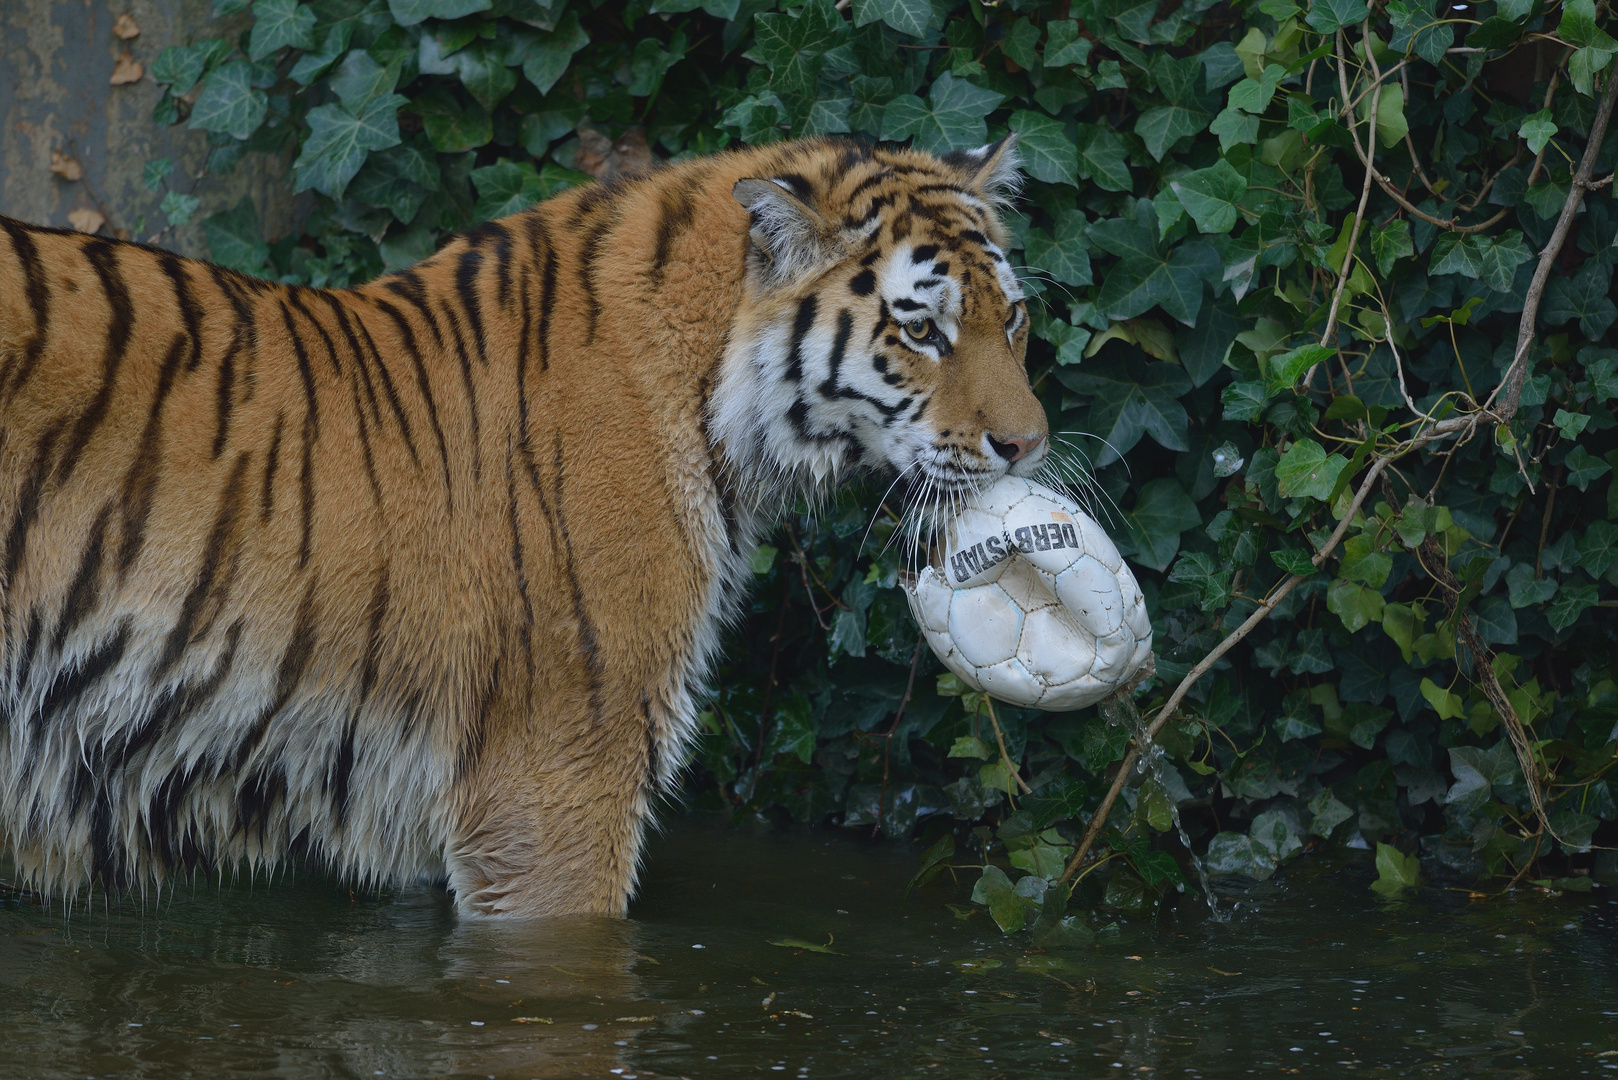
(887, 740)
(1207, 662)
(1450, 224)
(1099, 818)
(1483, 192)
(1545, 527)
(1001, 739)
(802, 559)
(1483, 668)
(1539, 838)
(1380, 77)
(1539, 158)
(1421, 174)
(1365, 191)
(1509, 392)
(1415, 162)
(1398, 365)
(769, 687)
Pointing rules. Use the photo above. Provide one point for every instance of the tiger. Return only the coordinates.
(421, 580)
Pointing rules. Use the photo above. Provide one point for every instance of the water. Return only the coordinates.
(1151, 761)
(1311, 975)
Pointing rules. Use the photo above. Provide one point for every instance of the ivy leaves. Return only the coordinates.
(1330, 16)
(549, 55)
(1064, 252)
(1131, 400)
(1161, 126)
(280, 24)
(952, 117)
(508, 187)
(1595, 47)
(414, 12)
(1047, 153)
(1212, 196)
(1306, 469)
(916, 18)
(1147, 276)
(229, 103)
(1584, 296)
(1103, 159)
(1154, 524)
(235, 239)
(341, 135)
(792, 45)
(1492, 260)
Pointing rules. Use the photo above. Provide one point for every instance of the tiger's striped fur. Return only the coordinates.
(420, 579)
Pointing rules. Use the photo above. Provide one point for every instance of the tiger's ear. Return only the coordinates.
(790, 235)
(994, 171)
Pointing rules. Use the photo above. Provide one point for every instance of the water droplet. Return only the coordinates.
(1226, 460)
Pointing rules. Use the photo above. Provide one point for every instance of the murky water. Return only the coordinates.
(1312, 975)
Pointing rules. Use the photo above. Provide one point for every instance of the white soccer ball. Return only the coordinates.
(1033, 604)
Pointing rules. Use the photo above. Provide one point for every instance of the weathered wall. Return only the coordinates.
(56, 66)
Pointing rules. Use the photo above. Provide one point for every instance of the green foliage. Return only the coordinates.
(1189, 213)
(1395, 871)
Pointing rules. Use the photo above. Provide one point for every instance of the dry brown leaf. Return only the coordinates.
(66, 166)
(126, 69)
(126, 27)
(601, 157)
(86, 219)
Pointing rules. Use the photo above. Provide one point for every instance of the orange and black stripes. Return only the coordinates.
(190, 309)
(407, 338)
(243, 333)
(585, 626)
(16, 370)
(140, 483)
(677, 212)
(103, 256)
(84, 594)
(211, 584)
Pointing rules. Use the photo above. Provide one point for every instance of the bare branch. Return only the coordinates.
(1207, 662)
(1365, 188)
(1001, 739)
(1483, 670)
(1330, 332)
(1448, 224)
(1509, 392)
(1463, 426)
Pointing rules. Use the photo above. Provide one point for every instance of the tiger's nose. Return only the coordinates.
(1017, 447)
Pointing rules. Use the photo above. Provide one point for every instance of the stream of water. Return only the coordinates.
(1150, 761)
(1311, 974)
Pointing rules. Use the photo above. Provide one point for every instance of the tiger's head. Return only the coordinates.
(882, 326)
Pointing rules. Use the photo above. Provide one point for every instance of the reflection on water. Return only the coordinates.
(1312, 975)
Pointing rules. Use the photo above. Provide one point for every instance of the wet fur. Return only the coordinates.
(420, 579)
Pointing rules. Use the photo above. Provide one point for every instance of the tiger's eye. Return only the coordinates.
(920, 329)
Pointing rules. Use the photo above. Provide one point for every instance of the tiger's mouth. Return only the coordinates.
(948, 472)
(953, 469)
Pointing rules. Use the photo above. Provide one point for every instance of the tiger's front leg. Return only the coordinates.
(551, 811)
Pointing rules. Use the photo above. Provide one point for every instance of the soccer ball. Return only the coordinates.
(1032, 603)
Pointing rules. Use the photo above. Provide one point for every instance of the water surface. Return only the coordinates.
(1312, 975)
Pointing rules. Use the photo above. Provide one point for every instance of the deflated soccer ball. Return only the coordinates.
(1033, 604)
